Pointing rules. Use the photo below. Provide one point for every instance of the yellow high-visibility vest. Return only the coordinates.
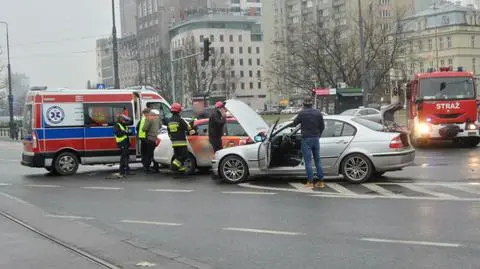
(142, 134)
(122, 138)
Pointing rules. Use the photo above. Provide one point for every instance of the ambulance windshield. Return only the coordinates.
(447, 88)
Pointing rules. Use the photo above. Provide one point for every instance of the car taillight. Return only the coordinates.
(396, 143)
(34, 140)
(157, 142)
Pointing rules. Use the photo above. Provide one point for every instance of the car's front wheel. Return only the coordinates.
(357, 168)
(233, 169)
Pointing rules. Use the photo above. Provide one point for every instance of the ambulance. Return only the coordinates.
(64, 128)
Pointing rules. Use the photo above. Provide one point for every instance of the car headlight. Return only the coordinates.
(471, 126)
(423, 128)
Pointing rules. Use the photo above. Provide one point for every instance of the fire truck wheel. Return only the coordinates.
(66, 163)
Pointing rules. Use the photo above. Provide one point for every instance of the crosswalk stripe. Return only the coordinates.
(417, 188)
(301, 187)
(341, 189)
(380, 190)
(462, 188)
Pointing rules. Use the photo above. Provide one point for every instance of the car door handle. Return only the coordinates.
(342, 142)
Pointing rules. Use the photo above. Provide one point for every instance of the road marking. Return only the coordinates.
(301, 187)
(69, 217)
(5, 184)
(407, 242)
(248, 192)
(462, 188)
(376, 188)
(169, 190)
(341, 189)
(357, 196)
(261, 231)
(103, 188)
(151, 222)
(417, 188)
(300, 190)
(41, 186)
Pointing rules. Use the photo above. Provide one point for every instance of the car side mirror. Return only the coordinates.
(259, 138)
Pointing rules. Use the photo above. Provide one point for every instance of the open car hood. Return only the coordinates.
(251, 122)
(389, 112)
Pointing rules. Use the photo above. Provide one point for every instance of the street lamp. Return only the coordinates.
(115, 49)
(362, 55)
(10, 95)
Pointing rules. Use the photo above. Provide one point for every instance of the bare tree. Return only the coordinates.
(328, 51)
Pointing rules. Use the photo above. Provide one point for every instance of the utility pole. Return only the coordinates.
(362, 55)
(115, 49)
(436, 37)
(9, 70)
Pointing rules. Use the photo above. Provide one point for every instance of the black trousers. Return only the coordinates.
(180, 154)
(124, 159)
(150, 149)
(216, 143)
(144, 153)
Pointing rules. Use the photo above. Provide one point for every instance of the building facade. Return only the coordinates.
(128, 63)
(237, 61)
(128, 17)
(447, 34)
(104, 49)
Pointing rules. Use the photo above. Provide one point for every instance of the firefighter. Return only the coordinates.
(123, 143)
(142, 136)
(177, 130)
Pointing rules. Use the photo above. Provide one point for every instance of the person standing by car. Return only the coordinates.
(151, 127)
(142, 136)
(123, 142)
(177, 130)
(216, 124)
(311, 125)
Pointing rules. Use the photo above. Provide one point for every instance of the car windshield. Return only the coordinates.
(369, 124)
(447, 88)
(349, 112)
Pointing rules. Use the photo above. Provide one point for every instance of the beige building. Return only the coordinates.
(444, 35)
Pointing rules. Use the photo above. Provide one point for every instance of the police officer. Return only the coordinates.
(123, 143)
(177, 130)
(142, 136)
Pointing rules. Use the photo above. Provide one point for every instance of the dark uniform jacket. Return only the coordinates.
(311, 121)
(177, 130)
(216, 123)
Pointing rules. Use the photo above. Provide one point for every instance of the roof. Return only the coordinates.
(441, 8)
(64, 91)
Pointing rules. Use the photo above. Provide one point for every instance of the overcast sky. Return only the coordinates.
(53, 41)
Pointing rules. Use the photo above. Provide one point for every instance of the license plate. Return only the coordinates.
(472, 133)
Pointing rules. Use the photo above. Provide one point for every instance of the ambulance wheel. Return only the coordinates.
(66, 163)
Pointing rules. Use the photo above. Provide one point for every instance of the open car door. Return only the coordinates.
(265, 148)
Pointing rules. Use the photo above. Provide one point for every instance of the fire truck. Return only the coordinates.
(443, 106)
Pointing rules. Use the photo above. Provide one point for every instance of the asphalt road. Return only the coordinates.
(427, 216)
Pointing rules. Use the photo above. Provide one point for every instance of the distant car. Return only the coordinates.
(354, 147)
(201, 153)
(366, 113)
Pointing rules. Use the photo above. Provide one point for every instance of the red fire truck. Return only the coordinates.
(443, 106)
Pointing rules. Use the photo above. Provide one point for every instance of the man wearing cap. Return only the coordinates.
(312, 125)
(142, 136)
(123, 142)
(151, 127)
(216, 125)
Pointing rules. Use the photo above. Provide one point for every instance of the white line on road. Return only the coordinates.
(417, 188)
(376, 188)
(169, 190)
(41, 186)
(10, 160)
(70, 217)
(261, 231)
(151, 222)
(249, 192)
(462, 188)
(341, 189)
(103, 188)
(5, 184)
(301, 187)
(407, 242)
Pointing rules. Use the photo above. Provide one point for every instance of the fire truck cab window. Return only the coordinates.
(447, 88)
(105, 114)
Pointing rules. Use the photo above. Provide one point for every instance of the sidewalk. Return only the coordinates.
(24, 249)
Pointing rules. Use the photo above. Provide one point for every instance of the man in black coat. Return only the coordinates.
(216, 125)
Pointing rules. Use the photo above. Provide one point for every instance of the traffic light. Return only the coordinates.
(206, 49)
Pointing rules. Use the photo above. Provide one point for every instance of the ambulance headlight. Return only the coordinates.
(472, 126)
(423, 128)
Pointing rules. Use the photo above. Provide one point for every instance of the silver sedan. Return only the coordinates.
(356, 148)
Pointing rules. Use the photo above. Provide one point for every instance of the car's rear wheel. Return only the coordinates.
(233, 169)
(357, 168)
(190, 164)
(66, 163)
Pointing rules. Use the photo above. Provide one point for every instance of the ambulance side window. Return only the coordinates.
(105, 114)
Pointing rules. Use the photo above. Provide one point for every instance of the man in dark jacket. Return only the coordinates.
(123, 142)
(312, 125)
(216, 125)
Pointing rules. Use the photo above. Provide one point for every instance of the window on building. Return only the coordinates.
(474, 63)
(213, 62)
(249, 50)
(472, 41)
(241, 73)
(240, 50)
(231, 50)
(222, 62)
(222, 50)
(232, 74)
(442, 63)
(234, 86)
(250, 73)
(430, 44)
(211, 38)
(230, 38)
(258, 61)
(240, 38)
(450, 62)
(201, 38)
(232, 62)
(249, 61)
(258, 74)
(258, 50)
(214, 87)
(221, 38)
(259, 85)
(422, 68)
(251, 85)
(242, 86)
(449, 42)
(440, 41)
(412, 67)
(241, 61)
(420, 45)
(223, 73)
